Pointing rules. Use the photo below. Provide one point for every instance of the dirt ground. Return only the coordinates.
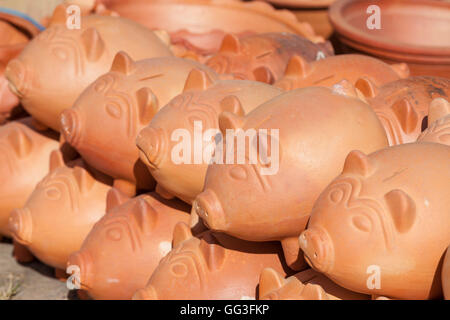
(31, 281)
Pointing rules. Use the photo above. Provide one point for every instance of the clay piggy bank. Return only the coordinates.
(326, 72)
(305, 285)
(212, 267)
(124, 100)
(196, 111)
(402, 105)
(365, 229)
(263, 57)
(24, 155)
(439, 119)
(125, 246)
(446, 275)
(298, 145)
(57, 65)
(60, 212)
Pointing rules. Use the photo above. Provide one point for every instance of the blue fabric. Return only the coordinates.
(23, 16)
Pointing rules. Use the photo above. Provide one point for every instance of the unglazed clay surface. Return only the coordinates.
(439, 118)
(264, 57)
(60, 211)
(366, 229)
(213, 266)
(306, 145)
(24, 155)
(446, 275)
(196, 111)
(125, 246)
(57, 65)
(124, 100)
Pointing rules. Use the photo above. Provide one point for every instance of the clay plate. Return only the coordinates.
(412, 31)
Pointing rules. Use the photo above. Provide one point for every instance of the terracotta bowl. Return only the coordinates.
(412, 31)
(199, 17)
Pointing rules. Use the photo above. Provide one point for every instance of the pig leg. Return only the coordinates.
(292, 254)
(126, 187)
(21, 253)
(163, 192)
(196, 224)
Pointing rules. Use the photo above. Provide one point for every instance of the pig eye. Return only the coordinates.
(114, 234)
(60, 53)
(362, 223)
(336, 195)
(114, 110)
(53, 193)
(239, 173)
(179, 270)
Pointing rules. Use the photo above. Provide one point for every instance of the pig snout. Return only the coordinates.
(71, 126)
(150, 142)
(208, 207)
(80, 265)
(20, 225)
(318, 248)
(148, 293)
(17, 76)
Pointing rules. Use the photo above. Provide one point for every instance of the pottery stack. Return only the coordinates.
(232, 154)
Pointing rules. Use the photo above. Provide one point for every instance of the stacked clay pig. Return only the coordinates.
(125, 100)
(263, 57)
(382, 226)
(126, 245)
(265, 190)
(195, 112)
(55, 67)
(212, 266)
(60, 211)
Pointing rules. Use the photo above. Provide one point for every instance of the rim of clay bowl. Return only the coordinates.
(265, 10)
(381, 45)
(300, 4)
(22, 21)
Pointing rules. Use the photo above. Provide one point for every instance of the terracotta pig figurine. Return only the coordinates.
(439, 119)
(57, 65)
(365, 229)
(212, 267)
(125, 246)
(196, 111)
(264, 57)
(305, 285)
(24, 155)
(60, 212)
(402, 105)
(124, 100)
(326, 72)
(446, 275)
(299, 143)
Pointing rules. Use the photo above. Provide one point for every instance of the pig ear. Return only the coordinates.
(93, 44)
(197, 80)
(115, 198)
(263, 74)
(233, 105)
(59, 15)
(401, 69)
(230, 43)
(402, 209)
(56, 160)
(84, 179)
(214, 254)
(181, 232)
(366, 87)
(438, 109)
(147, 105)
(228, 120)
(406, 115)
(145, 216)
(358, 163)
(269, 280)
(123, 63)
(20, 142)
(297, 67)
